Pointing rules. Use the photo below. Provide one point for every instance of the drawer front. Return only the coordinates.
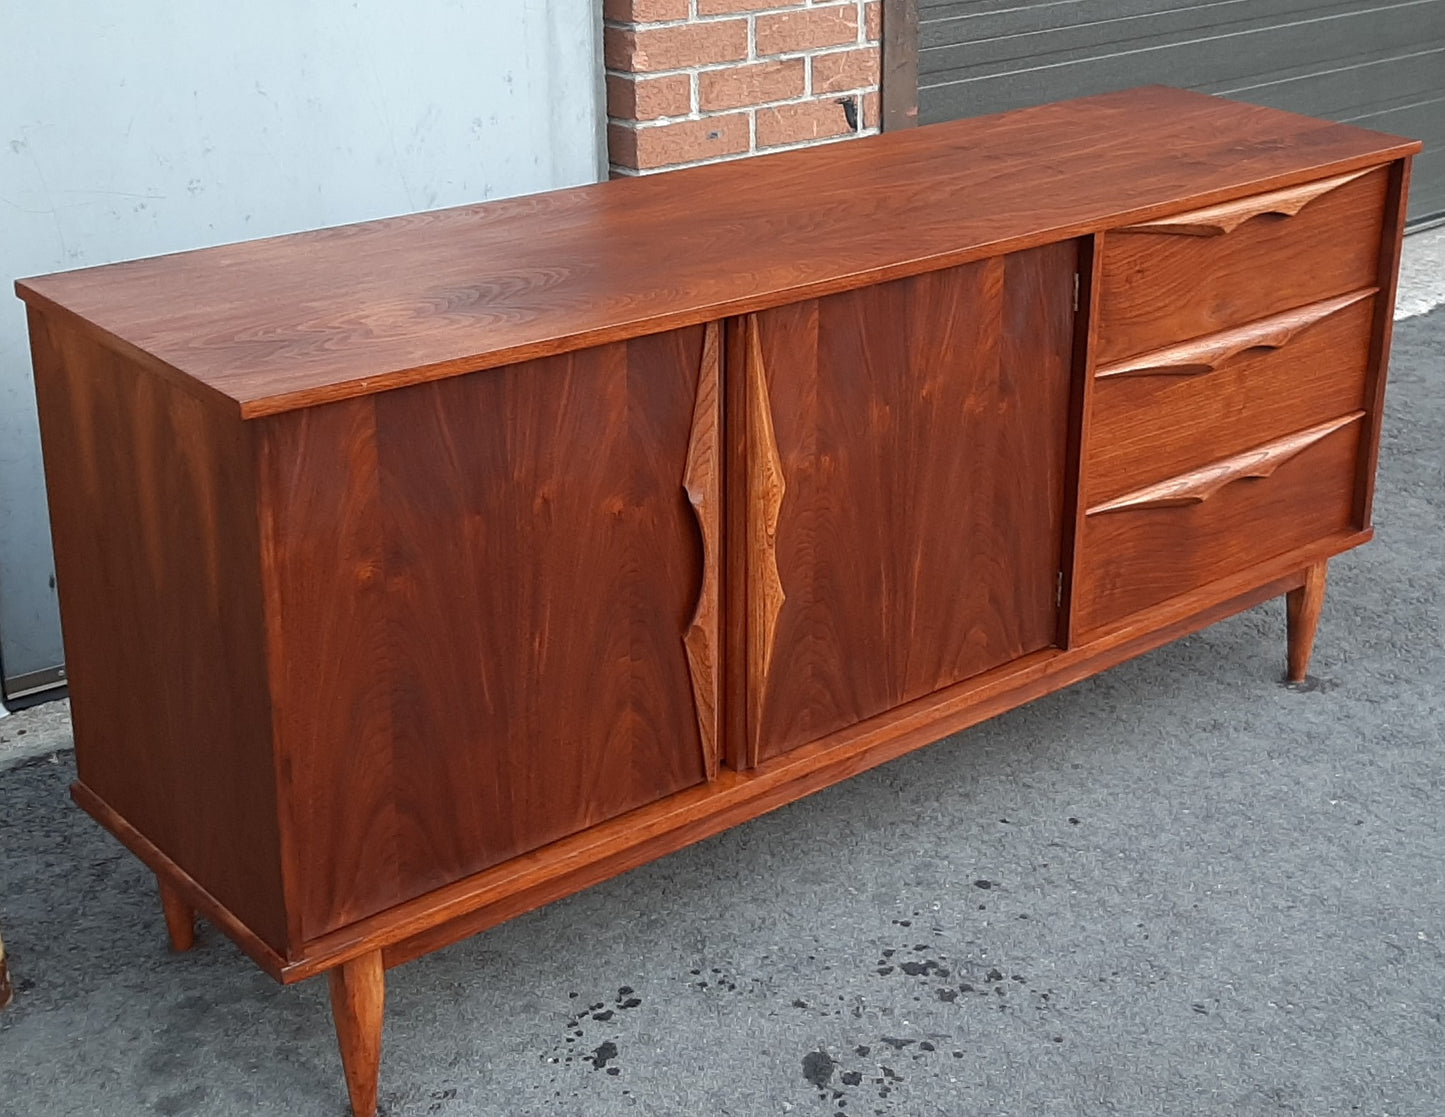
(1156, 543)
(1166, 412)
(1211, 269)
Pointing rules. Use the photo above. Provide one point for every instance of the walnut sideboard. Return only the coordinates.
(419, 572)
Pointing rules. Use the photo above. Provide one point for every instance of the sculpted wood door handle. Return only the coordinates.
(766, 486)
(1203, 355)
(1215, 221)
(1199, 485)
(702, 481)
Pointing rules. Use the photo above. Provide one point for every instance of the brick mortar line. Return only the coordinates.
(712, 114)
(733, 64)
(631, 172)
(819, 142)
(754, 59)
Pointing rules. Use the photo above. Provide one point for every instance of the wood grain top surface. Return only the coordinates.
(272, 325)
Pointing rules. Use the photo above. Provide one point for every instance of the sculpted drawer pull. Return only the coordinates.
(1199, 485)
(1203, 355)
(1215, 221)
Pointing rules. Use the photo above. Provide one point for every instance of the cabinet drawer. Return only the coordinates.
(1210, 269)
(1172, 410)
(1167, 539)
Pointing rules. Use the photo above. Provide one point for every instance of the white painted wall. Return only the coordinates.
(147, 126)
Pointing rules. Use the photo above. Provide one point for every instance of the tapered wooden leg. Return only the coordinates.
(1303, 606)
(358, 995)
(180, 918)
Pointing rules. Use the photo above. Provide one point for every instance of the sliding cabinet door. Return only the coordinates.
(897, 491)
(494, 611)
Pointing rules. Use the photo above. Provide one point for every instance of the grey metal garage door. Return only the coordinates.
(1378, 64)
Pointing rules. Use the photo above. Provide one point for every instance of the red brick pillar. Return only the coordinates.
(695, 81)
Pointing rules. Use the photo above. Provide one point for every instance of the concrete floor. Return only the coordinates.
(38, 731)
(1176, 888)
(1422, 273)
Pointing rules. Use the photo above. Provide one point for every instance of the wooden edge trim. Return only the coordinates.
(1217, 220)
(1089, 271)
(702, 481)
(1391, 244)
(1198, 485)
(735, 714)
(496, 895)
(173, 875)
(262, 448)
(48, 310)
(1206, 354)
(898, 70)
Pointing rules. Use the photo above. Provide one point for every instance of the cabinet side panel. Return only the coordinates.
(322, 541)
(922, 429)
(153, 511)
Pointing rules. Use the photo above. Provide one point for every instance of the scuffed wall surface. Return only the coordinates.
(150, 127)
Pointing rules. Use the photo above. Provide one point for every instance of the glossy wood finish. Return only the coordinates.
(566, 531)
(358, 999)
(766, 487)
(179, 915)
(1146, 548)
(152, 512)
(322, 543)
(1081, 417)
(1303, 607)
(273, 961)
(1202, 355)
(1391, 243)
(495, 895)
(1163, 414)
(702, 481)
(1163, 287)
(500, 894)
(291, 322)
(1198, 485)
(920, 431)
(491, 578)
(1215, 221)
